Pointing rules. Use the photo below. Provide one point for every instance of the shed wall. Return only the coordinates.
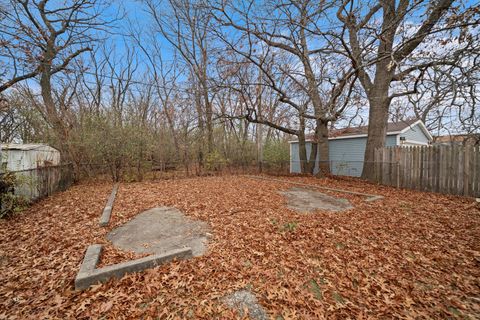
(18, 160)
(415, 134)
(346, 155)
(27, 164)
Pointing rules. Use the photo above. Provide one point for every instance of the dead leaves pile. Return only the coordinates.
(409, 255)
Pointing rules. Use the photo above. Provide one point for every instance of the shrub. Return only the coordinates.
(215, 161)
(276, 153)
(9, 202)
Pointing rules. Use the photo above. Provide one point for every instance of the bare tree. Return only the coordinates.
(42, 38)
(10, 122)
(256, 86)
(447, 100)
(291, 28)
(185, 24)
(165, 79)
(380, 39)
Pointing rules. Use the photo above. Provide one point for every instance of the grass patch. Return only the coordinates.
(315, 289)
(454, 311)
(340, 245)
(289, 227)
(338, 297)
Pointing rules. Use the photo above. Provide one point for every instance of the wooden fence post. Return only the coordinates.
(466, 170)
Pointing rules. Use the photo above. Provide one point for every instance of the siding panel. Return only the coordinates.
(415, 134)
(294, 158)
(346, 155)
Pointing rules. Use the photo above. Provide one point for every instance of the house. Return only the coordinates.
(472, 139)
(31, 164)
(347, 146)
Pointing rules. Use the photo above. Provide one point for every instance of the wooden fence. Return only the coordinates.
(444, 169)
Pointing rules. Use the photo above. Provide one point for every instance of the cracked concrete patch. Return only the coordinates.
(245, 300)
(159, 230)
(306, 200)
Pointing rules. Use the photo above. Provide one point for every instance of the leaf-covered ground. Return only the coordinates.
(410, 255)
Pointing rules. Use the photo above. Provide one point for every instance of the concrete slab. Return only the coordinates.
(245, 300)
(306, 200)
(88, 275)
(107, 211)
(159, 230)
(91, 258)
(370, 197)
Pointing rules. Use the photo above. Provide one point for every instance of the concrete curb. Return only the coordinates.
(370, 197)
(107, 211)
(88, 275)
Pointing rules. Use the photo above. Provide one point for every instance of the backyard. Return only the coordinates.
(410, 254)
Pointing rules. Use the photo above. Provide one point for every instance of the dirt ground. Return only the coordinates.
(411, 254)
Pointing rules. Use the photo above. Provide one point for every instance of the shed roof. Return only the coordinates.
(362, 131)
(23, 146)
(392, 128)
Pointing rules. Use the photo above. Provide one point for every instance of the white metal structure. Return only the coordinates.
(34, 167)
(20, 157)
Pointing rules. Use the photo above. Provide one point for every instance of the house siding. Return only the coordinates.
(346, 155)
(415, 134)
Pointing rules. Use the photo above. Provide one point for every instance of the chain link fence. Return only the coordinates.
(178, 169)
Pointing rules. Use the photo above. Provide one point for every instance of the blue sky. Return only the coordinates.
(136, 16)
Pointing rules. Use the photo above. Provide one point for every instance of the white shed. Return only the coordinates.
(20, 157)
(36, 168)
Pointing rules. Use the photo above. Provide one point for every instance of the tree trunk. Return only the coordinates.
(139, 163)
(171, 127)
(307, 164)
(321, 130)
(379, 102)
(201, 127)
(60, 130)
(323, 148)
(259, 127)
(209, 118)
(312, 160)
(377, 131)
(259, 141)
(302, 152)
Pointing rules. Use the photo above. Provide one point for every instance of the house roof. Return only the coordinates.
(472, 138)
(393, 128)
(22, 146)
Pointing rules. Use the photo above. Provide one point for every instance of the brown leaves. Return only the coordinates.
(411, 254)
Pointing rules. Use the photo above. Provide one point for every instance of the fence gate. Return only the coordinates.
(444, 169)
